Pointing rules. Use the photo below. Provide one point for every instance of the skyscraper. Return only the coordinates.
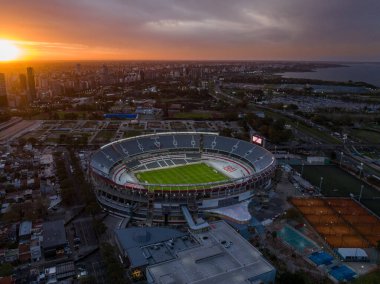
(23, 84)
(31, 83)
(3, 92)
(78, 69)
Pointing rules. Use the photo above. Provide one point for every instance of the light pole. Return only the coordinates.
(320, 185)
(341, 157)
(361, 192)
(361, 169)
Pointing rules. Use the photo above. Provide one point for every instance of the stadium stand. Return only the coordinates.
(114, 167)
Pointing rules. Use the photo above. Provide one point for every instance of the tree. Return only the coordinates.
(6, 269)
(115, 270)
(226, 132)
(274, 235)
(291, 278)
(32, 140)
(99, 227)
(89, 279)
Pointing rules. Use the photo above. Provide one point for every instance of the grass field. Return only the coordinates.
(188, 174)
(366, 135)
(311, 131)
(193, 115)
(104, 136)
(371, 278)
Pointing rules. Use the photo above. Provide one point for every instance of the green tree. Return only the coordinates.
(291, 278)
(115, 270)
(89, 279)
(6, 269)
(274, 235)
(99, 227)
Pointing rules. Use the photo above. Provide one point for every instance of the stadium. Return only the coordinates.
(163, 177)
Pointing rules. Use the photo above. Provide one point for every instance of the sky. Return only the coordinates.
(193, 29)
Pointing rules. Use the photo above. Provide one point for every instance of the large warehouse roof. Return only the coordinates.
(54, 234)
(146, 245)
(223, 256)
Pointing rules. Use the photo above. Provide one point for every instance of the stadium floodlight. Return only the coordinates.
(320, 185)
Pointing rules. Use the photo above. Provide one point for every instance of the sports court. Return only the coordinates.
(321, 258)
(342, 273)
(340, 221)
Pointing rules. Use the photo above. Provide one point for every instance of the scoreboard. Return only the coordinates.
(257, 140)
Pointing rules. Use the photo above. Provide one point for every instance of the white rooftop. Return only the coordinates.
(352, 252)
(237, 212)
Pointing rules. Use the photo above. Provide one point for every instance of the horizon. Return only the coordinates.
(188, 60)
(190, 31)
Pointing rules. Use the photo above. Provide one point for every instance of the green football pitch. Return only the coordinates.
(188, 174)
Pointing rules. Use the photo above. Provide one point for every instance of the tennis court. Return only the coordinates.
(321, 257)
(342, 222)
(342, 273)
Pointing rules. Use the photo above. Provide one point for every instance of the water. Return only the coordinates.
(325, 88)
(363, 72)
(295, 239)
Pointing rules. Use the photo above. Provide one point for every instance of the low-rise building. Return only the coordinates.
(222, 256)
(25, 230)
(54, 238)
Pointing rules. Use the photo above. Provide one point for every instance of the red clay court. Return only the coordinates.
(342, 222)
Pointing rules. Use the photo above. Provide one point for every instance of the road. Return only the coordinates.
(18, 129)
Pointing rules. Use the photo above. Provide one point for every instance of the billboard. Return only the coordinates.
(257, 140)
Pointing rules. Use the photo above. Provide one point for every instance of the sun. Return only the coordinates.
(8, 51)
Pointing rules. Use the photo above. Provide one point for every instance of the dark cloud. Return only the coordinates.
(242, 28)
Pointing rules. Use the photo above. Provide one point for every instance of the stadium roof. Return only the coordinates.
(223, 256)
(236, 212)
(162, 133)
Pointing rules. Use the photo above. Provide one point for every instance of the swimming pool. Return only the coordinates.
(321, 257)
(296, 239)
(342, 272)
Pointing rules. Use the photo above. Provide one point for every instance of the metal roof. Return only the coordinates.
(25, 228)
(223, 256)
(54, 234)
(135, 242)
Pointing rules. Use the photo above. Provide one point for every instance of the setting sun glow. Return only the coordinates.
(8, 51)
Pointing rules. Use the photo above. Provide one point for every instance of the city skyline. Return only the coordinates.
(197, 30)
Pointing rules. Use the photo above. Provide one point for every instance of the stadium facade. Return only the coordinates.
(115, 167)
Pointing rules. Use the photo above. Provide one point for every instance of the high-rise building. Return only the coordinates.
(3, 92)
(78, 69)
(104, 74)
(23, 84)
(31, 83)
